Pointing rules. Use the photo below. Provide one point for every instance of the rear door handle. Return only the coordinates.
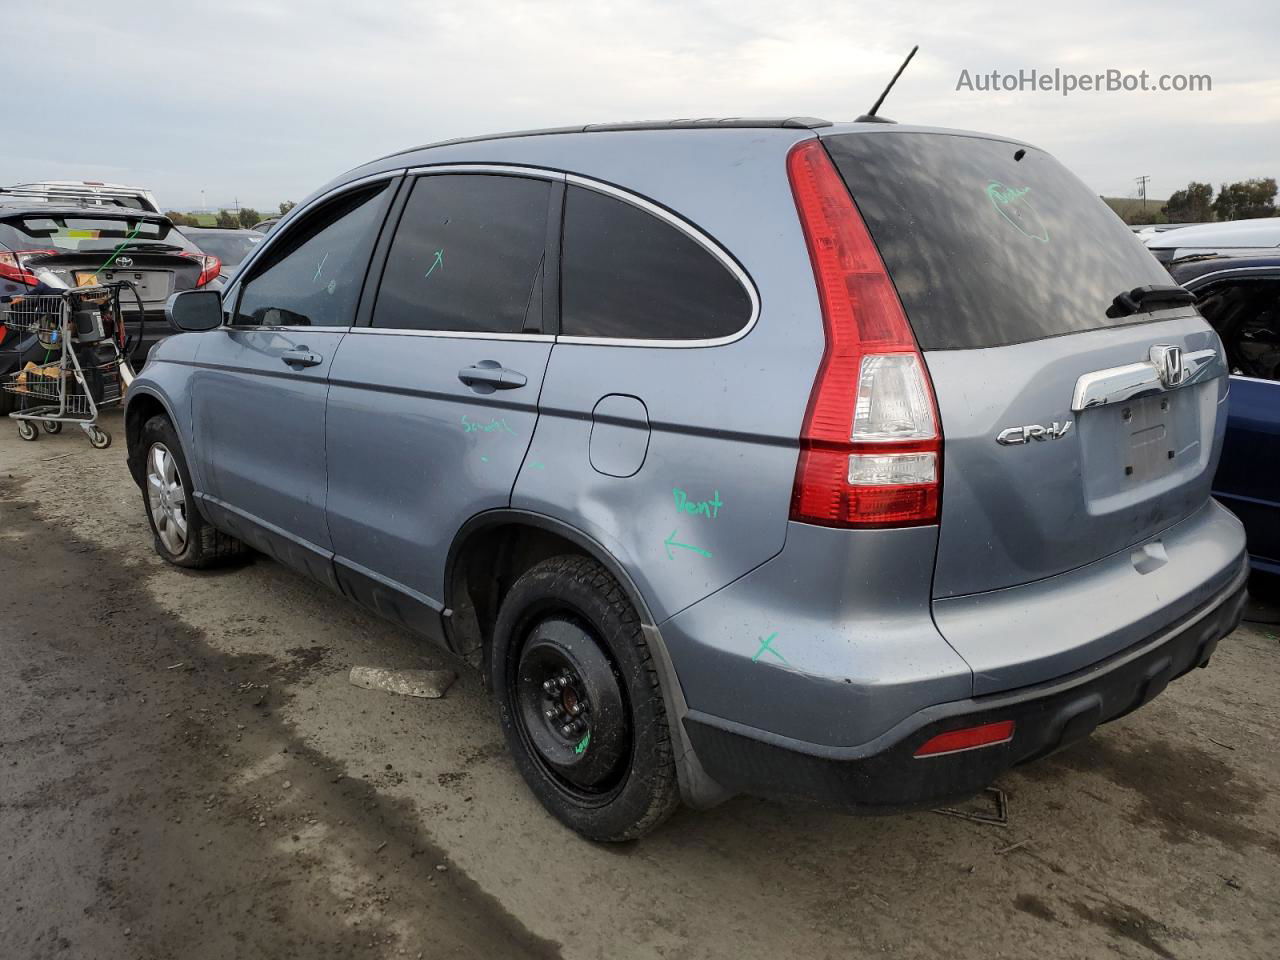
(301, 357)
(490, 375)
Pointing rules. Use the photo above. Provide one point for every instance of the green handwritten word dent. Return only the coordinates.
(1012, 204)
(493, 426)
(766, 648)
(672, 542)
(437, 262)
(701, 508)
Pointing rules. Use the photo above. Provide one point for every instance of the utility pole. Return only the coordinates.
(1142, 189)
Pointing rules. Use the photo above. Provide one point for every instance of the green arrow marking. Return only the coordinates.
(437, 262)
(671, 542)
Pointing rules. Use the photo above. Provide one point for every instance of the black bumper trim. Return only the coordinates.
(884, 776)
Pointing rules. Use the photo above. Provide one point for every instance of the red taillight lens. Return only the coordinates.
(13, 266)
(210, 267)
(970, 738)
(870, 448)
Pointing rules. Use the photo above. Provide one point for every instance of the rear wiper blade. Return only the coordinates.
(1146, 298)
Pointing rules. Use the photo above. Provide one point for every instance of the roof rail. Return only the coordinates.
(803, 123)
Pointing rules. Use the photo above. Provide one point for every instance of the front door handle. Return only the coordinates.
(489, 375)
(301, 357)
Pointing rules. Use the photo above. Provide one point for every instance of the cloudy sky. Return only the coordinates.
(263, 100)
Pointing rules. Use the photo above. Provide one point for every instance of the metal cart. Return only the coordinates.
(84, 367)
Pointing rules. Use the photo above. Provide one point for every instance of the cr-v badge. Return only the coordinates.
(1033, 431)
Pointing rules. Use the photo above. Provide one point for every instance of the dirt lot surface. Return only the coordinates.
(185, 772)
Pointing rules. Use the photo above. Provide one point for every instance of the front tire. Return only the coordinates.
(580, 703)
(182, 535)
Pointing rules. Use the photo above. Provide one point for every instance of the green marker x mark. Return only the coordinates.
(765, 648)
(437, 262)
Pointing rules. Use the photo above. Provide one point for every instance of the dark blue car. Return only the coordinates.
(1241, 297)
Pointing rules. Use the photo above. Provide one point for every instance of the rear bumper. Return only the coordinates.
(884, 776)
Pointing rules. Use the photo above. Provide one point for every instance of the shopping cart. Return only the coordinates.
(84, 367)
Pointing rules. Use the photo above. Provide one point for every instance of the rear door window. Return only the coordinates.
(1246, 314)
(627, 274)
(467, 256)
(990, 242)
(312, 275)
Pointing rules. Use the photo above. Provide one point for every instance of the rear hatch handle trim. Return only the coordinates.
(1166, 368)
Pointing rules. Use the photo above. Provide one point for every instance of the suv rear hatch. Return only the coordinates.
(81, 248)
(1062, 444)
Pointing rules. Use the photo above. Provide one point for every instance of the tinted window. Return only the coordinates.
(1246, 314)
(626, 273)
(312, 276)
(985, 248)
(466, 256)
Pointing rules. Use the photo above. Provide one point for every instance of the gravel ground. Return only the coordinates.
(185, 772)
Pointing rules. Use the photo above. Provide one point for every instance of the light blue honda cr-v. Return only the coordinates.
(853, 462)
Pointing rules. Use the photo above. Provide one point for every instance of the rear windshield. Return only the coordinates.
(990, 243)
(89, 234)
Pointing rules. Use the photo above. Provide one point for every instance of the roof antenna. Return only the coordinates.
(870, 116)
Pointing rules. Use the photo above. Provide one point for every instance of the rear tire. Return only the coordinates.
(569, 655)
(182, 535)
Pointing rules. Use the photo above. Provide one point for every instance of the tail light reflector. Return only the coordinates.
(870, 447)
(969, 738)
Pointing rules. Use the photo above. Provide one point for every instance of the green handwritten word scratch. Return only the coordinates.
(1012, 204)
(493, 426)
(582, 744)
(671, 542)
(766, 648)
(537, 465)
(319, 267)
(437, 262)
(702, 508)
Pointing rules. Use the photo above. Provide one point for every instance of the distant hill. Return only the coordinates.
(1130, 209)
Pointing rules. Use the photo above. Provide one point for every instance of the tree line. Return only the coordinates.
(244, 218)
(1242, 200)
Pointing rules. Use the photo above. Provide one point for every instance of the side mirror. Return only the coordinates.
(194, 310)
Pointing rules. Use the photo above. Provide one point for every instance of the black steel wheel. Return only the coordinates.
(580, 701)
(572, 711)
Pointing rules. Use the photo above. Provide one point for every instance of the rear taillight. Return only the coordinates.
(870, 448)
(210, 267)
(13, 266)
